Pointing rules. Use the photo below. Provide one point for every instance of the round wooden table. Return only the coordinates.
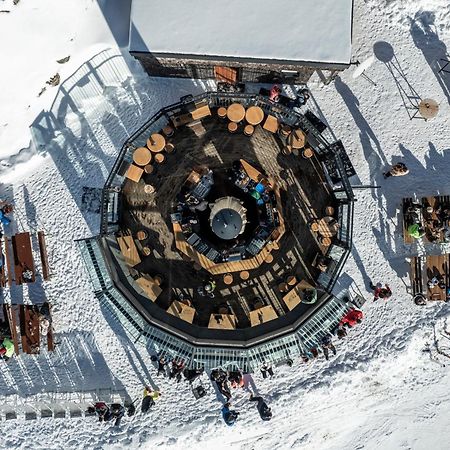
(248, 130)
(149, 168)
(428, 108)
(228, 278)
(141, 235)
(142, 156)
(328, 227)
(222, 112)
(314, 226)
(160, 158)
(307, 153)
(245, 275)
(156, 142)
(232, 127)
(325, 241)
(291, 280)
(168, 130)
(254, 115)
(297, 139)
(170, 148)
(236, 112)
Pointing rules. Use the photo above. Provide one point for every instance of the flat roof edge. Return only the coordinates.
(242, 59)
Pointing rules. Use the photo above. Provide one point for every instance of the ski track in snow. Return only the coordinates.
(380, 391)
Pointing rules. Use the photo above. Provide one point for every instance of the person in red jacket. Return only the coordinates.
(352, 318)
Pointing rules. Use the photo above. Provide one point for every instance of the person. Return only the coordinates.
(149, 398)
(352, 318)
(327, 344)
(229, 416)
(302, 97)
(220, 377)
(6, 349)
(177, 368)
(103, 412)
(117, 412)
(6, 209)
(264, 411)
(380, 291)
(341, 332)
(162, 365)
(191, 374)
(274, 93)
(266, 369)
(398, 170)
(415, 230)
(235, 378)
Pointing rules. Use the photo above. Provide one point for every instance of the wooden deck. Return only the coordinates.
(303, 195)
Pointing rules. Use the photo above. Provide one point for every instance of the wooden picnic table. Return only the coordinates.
(142, 156)
(156, 142)
(134, 173)
(235, 112)
(182, 311)
(261, 315)
(23, 258)
(222, 321)
(294, 296)
(29, 329)
(150, 287)
(129, 250)
(328, 227)
(254, 115)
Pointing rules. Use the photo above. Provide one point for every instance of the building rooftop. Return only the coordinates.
(287, 30)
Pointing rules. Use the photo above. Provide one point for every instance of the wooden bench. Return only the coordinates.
(23, 258)
(407, 238)
(437, 266)
(200, 112)
(44, 256)
(416, 275)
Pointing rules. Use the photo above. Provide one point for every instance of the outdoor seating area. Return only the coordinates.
(241, 208)
(428, 219)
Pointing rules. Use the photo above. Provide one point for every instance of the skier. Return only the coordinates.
(117, 412)
(149, 398)
(229, 416)
(191, 374)
(327, 344)
(381, 292)
(341, 333)
(102, 410)
(177, 368)
(352, 318)
(220, 377)
(162, 365)
(235, 378)
(398, 170)
(6, 349)
(264, 411)
(266, 369)
(275, 92)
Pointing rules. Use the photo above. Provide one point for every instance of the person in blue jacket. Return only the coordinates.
(229, 416)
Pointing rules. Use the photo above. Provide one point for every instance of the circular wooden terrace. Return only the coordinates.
(156, 265)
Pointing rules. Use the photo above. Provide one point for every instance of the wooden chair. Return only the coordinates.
(249, 130)
(232, 127)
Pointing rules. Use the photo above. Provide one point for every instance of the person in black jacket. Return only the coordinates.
(264, 411)
(220, 377)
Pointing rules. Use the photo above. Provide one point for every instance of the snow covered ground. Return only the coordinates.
(381, 391)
